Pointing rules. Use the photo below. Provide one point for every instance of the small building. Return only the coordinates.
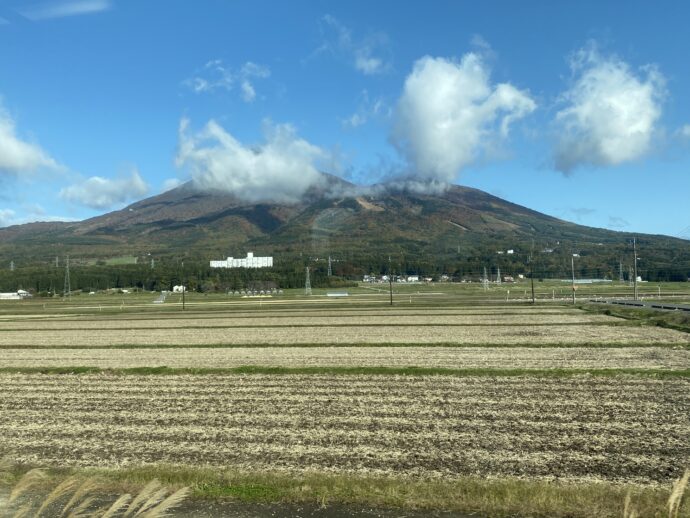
(246, 262)
(179, 289)
(18, 295)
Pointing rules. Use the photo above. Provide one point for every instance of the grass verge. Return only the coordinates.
(678, 320)
(484, 497)
(383, 371)
(504, 345)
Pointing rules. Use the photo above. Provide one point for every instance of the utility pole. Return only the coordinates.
(307, 284)
(68, 285)
(390, 280)
(184, 288)
(572, 267)
(531, 276)
(635, 267)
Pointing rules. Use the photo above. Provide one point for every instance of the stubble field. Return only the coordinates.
(596, 399)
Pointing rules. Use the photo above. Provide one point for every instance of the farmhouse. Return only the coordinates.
(247, 262)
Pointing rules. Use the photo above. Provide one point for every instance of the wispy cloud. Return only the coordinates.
(216, 75)
(611, 112)
(61, 9)
(18, 155)
(367, 109)
(368, 55)
(171, 183)
(617, 222)
(684, 131)
(9, 217)
(97, 192)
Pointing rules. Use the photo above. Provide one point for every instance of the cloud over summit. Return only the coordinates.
(280, 169)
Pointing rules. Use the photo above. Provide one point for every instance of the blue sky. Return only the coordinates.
(579, 110)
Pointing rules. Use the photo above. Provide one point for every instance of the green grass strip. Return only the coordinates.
(327, 326)
(475, 496)
(505, 345)
(348, 371)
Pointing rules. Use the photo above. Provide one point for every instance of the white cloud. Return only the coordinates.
(367, 109)
(449, 112)
(281, 169)
(684, 131)
(7, 217)
(46, 11)
(103, 193)
(171, 183)
(33, 213)
(611, 113)
(219, 76)
(17, 155)
(365, 54)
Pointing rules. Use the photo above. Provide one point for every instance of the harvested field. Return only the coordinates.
(384, 334)
(578, 428)
(259, 320)
(437, 356)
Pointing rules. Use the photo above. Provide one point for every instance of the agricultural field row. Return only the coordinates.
(317, 320)
(344, 356)
(579, 428)
(257, 311)
(481, 334)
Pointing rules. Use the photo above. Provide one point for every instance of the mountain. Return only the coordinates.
(458, 222)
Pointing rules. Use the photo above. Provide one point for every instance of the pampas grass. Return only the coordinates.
(153, 501)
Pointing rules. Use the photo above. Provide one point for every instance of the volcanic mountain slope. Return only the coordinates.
(335, 218)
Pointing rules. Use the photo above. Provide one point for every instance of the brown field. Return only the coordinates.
(575, 428)
(370, 356)
(381, 334)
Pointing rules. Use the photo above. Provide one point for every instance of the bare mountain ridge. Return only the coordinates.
(333, 217)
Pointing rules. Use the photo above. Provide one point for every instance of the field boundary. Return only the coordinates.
(612, 345)
(349, 371)
(502, 497)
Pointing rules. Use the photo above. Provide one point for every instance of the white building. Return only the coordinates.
(248, 262)
(20, 294)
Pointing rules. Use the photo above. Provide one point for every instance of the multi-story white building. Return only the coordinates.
(247, 262)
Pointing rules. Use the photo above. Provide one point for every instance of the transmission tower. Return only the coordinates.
(330, 267)
(498, 276)
(307, 284)
(153, 263)
(68, 286)
(620, 272)
(57, 262)
(485, 281)
(11, 266)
